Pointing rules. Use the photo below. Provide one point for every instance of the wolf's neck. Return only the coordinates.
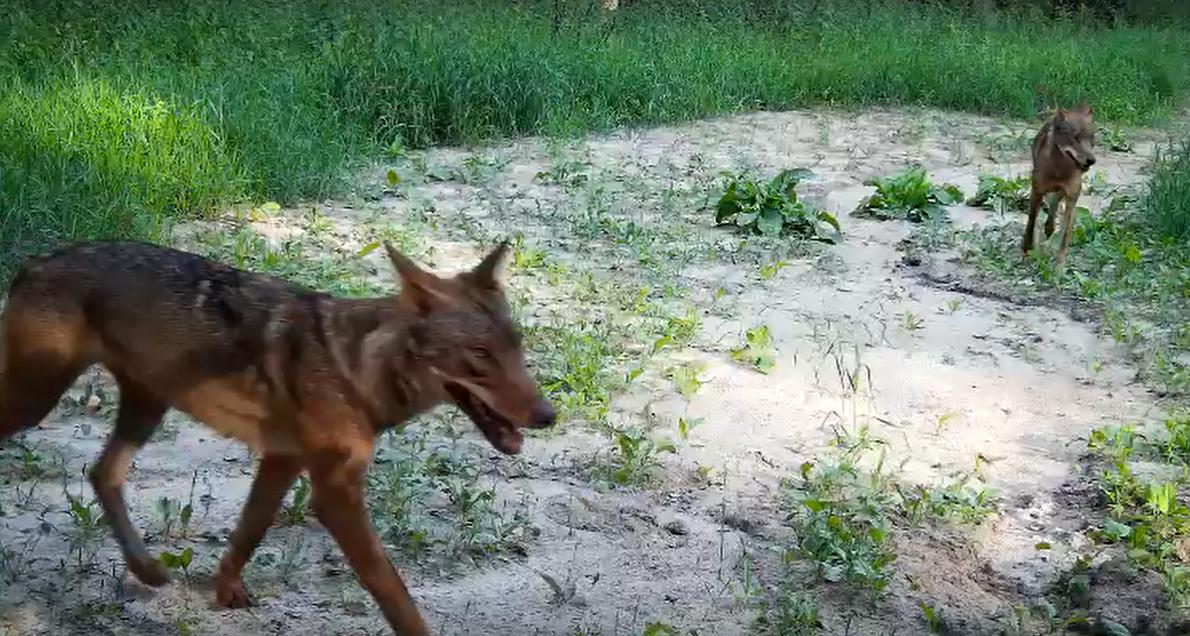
(369, 344)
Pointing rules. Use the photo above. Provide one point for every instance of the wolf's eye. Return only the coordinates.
(480, 352)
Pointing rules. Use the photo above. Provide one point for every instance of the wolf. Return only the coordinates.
(305, 379)
(1063, 150)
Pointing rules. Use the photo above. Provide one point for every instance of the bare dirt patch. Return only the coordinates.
(617, 245)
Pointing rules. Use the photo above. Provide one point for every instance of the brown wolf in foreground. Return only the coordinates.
(1062, 152)
(305, 379)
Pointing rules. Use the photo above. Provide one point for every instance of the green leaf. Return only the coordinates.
(1116, 530)
(949, 194)
(659, 629)
(786, 181)
(1132, 254)
(728, 205)
(1042, 545)
(769, 222)
(1142, 556)
(829, 219)
(368, 249)
(392, 178)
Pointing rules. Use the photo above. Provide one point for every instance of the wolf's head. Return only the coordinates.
(464, 333)
(1073, 134)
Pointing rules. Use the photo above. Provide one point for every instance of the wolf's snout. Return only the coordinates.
(542, 416)
(1090, 162)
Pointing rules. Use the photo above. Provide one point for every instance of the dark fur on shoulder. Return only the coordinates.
(306, 379)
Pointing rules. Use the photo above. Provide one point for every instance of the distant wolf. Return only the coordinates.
(1063, 151)
(305, 379)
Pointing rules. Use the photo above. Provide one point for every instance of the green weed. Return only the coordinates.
(294, 513)
(841, 515)
(842, 509)
(1113, 138)
(757, 350)
(427, 498)
(791, 612)
(635, 457)
(564, 173)
(934, 619)
(1001, 194)
(659, 629)
(1166, 204)
(88, 527)
(525, 257)
(909, 195)
(178, 560)
(574, 366)
(773, 208)
(911, 321)
(965, 500)
(767, 272)
(1148, 517)
(685, 379)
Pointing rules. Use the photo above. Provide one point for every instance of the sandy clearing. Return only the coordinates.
(1017, 385)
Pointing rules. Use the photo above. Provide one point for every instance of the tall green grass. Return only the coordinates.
(115, 119)
(1167, 203)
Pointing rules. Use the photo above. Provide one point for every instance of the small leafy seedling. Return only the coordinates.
(634, 457)
(686, 425)
(294, 514)
(685, 379)
(911, 321)
(934, 620)
(773, 208)
(909, 195)
(174, 516)
(767, 272)
(525, 257)
(757, 350)
(178, 561)
(1114, 139)
(564, 173)
(659, 629)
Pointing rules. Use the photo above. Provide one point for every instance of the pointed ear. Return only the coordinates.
(485, 273)
(1085, 108)
(418, 286)
(1060, 115)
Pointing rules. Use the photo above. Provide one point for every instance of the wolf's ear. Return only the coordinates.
(418, 287)
(485, 273)
(1060, 114)
(1085, 108)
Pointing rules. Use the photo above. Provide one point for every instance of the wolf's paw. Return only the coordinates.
(148, 571)
(230, 592)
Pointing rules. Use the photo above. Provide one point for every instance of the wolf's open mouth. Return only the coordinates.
(1082, 165)
(503, 434)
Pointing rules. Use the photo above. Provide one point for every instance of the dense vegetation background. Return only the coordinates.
(115, 120)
